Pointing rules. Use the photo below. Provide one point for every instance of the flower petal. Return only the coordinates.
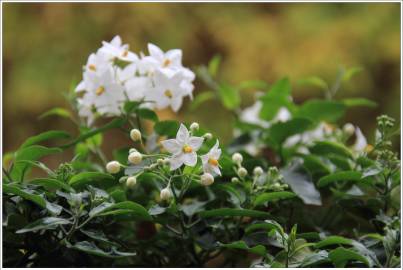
(205, 158)
(216, 170)
(172, 146)
(190, 159)
(155, 51)
(183, 134)
(176, 161)
(195, 142)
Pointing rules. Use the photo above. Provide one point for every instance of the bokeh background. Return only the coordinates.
(46, 44)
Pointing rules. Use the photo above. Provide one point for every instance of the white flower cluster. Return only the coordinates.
(114, 75)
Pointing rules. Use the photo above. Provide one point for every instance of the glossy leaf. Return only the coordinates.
(86, 178)
(333, 240)
(233, 212)
(273, 196)
(47, 223)
(45, 136)
(259, 249)
(345, 176)
(341, 256)
(322, 110)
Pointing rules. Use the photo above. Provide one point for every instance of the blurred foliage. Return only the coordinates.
(45, 45)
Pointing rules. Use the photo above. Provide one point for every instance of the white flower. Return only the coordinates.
(258, 171)
(126, 73)
(169, 61)
(165, 194)
(251, 115)
(135, 134)
(210, 160)
(183, 148)
(115, 49)
(131, 181)
(361, 142)
(206, 179)
(135, 157)
(167, 91)
(113, 167)
(137, 87)
(242, 172)
(86, 111)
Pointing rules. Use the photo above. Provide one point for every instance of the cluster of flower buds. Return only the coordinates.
(237, 158)
(114, 74)
(183, 150)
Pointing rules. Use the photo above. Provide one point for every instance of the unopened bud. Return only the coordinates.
(194, 126)
(135, 158)
(349, 129)
(113, 167)
(131, 181)
(135, 134)
(237, 158)
(165, 194)
(242, 172)
(234, 180)
(206, 179)
(258, 171)
(208, 136)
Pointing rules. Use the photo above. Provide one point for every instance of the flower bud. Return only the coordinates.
(258, 171)
(234, 180)
(349, 129)
(237, 158)
(135, 158)
(160, 161)
(166, 161)
(208, 136)
(131, 150)
(113, 167)
(194, 126)
(135, 134)
(206, 179)
(165, 194)
(242, 172)
(131, 181)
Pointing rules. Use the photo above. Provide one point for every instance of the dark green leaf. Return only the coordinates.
(147, 114)
(326, 148)
(333, 240)
(232, 212)
(92, 249)
(128, 207)
(345, 176)
(86, 178)
(58, 112)
(167, 128)
(278, 96)
(47, 223)
(322, 110)
(341, 256)
(259, 249)
(52, 134)
(278, 132)
(50, 183)
(273, 196)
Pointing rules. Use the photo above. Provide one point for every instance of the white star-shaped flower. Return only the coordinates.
(167, 91)
(183, 148)
(115, 49)
(210, 160)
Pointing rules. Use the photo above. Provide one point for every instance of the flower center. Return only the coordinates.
(213, 161)
(92, 67)
(187, 149)
(100, 90)
(166, 63)
(125, 53)
(168, 93)
(368, 148)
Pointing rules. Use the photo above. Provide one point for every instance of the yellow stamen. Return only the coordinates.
(92, 67)
(125, 53)
(368, 148)
(168, 93)
(187, 149)
(166, 63)
(100, 90)
(213, 162)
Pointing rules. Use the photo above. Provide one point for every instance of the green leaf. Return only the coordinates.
(147, 114)
(321, 110)
(278, 96)
(315, 165)
(232, 212)
(349, 73)
(91, 248)
(341, 256)
(52, 134)
(47, 223)
(273, 196)
(229, 96)
(267, 225)
(354, 102)
(333, 240)
(86, 178)
(131, 106)
(345, 176)
(167, 128)
(279, 132)
(126, 207)
(259, 249)
(213, 65)
(235, 197)
(255, 84)
(50, 183)
(57, 112)
(201, 98)
(30, 153)
(31, 196)
(314, 81)
(326, 148)
(117, 122)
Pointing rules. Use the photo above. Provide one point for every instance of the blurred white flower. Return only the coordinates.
(210, 160)
(183, 148)
(361, 143)
(115, 49)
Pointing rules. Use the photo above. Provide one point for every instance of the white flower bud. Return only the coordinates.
(237, 158)
(234, 180)
(135, 158)
(135, 134)
(165, 194)
(242, 172)
(258, 171)
(349, 129)
(208, 136)
(131, 181)
(166, 161)
(206, 179)
(113, 167)
(131, 150)
(194, 126)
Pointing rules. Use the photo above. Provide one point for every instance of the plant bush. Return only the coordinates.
(292, 189)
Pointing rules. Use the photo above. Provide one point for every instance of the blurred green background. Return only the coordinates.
(45, 45)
